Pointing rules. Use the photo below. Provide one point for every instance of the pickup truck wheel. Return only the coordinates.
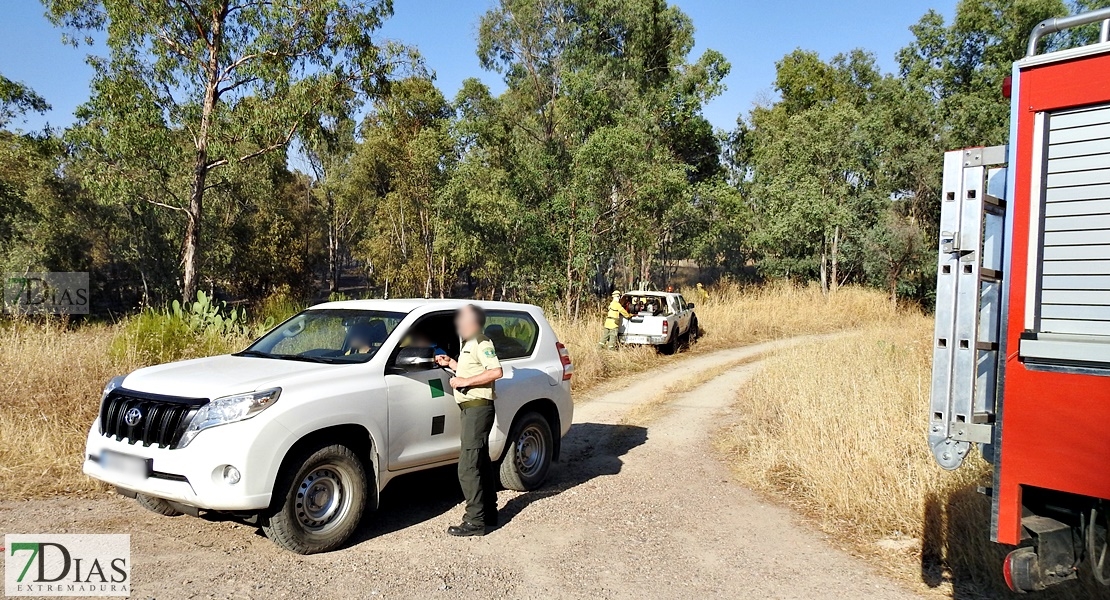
(670, 347)
(692, 333)
(157, 505)
(527, 457)
(318, 501)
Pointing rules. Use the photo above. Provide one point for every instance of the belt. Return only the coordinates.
(475, 403)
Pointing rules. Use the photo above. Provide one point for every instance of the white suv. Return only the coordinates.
(301, 431)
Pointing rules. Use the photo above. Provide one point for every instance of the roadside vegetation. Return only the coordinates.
(836, 428)
(54, 370)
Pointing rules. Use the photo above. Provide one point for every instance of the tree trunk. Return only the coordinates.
(894, 271)
(333, 245)
(442, 274)
(824, 267)
(834, 279)
(191, 252)
(568, 301)
(195, 210)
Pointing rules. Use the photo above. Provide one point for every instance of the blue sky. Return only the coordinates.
(752, 34)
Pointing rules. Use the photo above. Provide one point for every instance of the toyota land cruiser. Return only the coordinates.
(301, 431)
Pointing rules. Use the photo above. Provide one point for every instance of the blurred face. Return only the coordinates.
(360, 343)
(466, 323)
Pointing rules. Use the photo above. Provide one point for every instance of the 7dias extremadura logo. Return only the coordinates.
(67, 565)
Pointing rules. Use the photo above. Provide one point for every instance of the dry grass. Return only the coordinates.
(52, 374)
(837, 429)
(52, 378)
(734, 315)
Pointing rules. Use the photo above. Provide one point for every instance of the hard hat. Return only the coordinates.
(616, 294)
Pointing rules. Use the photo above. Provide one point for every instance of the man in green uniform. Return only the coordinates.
(613, 321)
(475, 372)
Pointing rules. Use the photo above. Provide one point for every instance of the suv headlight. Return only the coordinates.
(229, 409)
(111, 386)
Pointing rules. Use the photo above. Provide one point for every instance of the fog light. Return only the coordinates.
(231, 475)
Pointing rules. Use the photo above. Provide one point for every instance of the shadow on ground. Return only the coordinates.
(589, 450)
(956, 548)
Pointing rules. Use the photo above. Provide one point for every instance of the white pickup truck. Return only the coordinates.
(301, 431)
(661, 319)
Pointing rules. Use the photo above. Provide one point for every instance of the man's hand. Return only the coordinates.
(443, 360)
(457, 382)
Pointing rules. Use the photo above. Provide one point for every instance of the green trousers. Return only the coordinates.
(476, 476)
(609, 338)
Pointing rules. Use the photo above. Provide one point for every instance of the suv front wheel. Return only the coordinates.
(157, 505)
(319, 500)
(528, 454)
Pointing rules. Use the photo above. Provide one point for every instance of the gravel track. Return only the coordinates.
(629, 512)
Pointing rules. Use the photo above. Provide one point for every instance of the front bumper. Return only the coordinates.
(194, 475)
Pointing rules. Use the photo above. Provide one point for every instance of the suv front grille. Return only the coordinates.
(159, 420)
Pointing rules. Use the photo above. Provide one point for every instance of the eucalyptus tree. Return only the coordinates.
(193, 87)
(603, 115)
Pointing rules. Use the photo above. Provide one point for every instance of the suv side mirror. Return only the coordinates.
(414, 358)
(689, 305)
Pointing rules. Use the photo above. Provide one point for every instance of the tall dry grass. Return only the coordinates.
(837, 429)
(51, 378)
(733, 315)
(51, 374)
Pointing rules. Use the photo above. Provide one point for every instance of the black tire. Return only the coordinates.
(692, 333)
(334, 478)
(670, 347)
(157, 505)
(528, 452)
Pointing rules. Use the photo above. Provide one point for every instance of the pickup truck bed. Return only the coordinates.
(661, 319)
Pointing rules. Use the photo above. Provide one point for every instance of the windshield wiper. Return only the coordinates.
(300, 357)
(255, 353)
(303, 358)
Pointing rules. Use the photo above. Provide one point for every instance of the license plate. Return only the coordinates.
(132, 466)
(635, 339)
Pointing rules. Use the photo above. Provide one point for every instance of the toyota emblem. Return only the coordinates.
(133, 416)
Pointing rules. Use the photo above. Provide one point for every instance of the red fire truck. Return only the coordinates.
(1021, 361)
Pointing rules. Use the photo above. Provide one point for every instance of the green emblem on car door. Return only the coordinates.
(436, 386)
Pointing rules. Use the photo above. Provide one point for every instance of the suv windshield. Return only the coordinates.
(335, 336)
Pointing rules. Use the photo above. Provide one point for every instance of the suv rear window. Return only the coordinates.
(514, 334)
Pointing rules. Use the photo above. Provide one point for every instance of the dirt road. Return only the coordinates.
(630, 512)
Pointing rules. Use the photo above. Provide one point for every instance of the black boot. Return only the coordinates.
(466, 529)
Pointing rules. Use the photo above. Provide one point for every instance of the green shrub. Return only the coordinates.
(207, 315)
(274, 309)
(202, 328)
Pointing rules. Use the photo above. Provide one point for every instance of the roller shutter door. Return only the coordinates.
(1074, 290)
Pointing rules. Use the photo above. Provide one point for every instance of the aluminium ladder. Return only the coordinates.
(968, 303)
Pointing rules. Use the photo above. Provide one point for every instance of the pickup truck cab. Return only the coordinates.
(661, 319)
(302, 431)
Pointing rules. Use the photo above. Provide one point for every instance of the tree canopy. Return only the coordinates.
(594, 168)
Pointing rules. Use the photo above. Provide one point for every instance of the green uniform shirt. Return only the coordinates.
(477, 355)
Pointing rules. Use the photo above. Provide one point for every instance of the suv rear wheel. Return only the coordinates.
(318, 501)
(527, 457)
